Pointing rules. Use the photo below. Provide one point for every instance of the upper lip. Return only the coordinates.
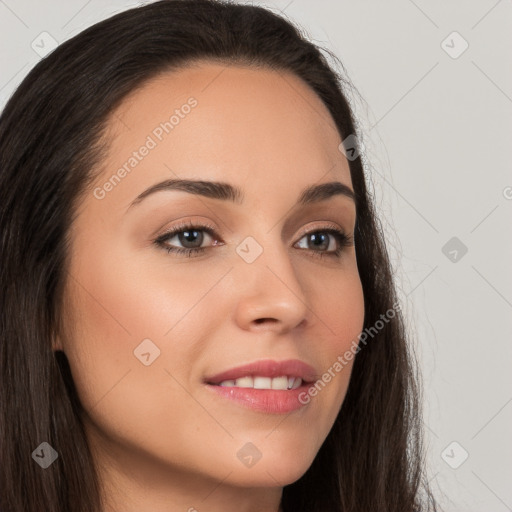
(267, 368)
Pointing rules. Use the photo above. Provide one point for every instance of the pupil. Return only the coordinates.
(187, 237)
(320, 238)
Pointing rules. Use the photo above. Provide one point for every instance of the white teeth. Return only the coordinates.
(280, 383)
(292, 384)
(262, 383)
(245, 382)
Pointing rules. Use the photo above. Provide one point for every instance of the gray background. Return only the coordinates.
(437, 127)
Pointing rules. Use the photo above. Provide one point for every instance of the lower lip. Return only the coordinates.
(271, 401)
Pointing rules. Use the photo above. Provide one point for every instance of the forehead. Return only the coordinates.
(250, 126)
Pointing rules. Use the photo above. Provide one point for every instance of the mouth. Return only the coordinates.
(266, 373)
(265, 386)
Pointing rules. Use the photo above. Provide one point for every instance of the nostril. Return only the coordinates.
(261, 320)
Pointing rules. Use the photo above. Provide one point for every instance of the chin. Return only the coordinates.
(275, 471)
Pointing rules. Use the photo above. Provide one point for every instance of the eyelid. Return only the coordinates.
(321, 226)
(212, 230)
(187, 224)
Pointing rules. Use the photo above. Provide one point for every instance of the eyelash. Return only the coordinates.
(342, 238)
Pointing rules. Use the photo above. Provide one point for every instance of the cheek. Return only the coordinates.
(123, 300)
(338, 304)
(119, 301)
(122, 303)
(122, 310)
(339, 308)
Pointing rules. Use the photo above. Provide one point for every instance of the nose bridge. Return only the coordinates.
(269, 285)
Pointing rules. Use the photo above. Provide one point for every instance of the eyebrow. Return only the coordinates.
(227, 192)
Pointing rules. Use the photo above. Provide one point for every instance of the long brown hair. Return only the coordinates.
(51, 138)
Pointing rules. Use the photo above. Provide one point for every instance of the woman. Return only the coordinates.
(198, 311)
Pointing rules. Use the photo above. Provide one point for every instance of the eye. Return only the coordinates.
(189, 235)
(330, 240)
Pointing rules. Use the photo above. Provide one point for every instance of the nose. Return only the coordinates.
(271, 295)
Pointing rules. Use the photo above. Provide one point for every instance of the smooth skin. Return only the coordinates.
(161, 440)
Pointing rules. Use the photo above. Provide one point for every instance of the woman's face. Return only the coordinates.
(146, 327)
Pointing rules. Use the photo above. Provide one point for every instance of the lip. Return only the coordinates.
(270, 401)
(267, 368)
